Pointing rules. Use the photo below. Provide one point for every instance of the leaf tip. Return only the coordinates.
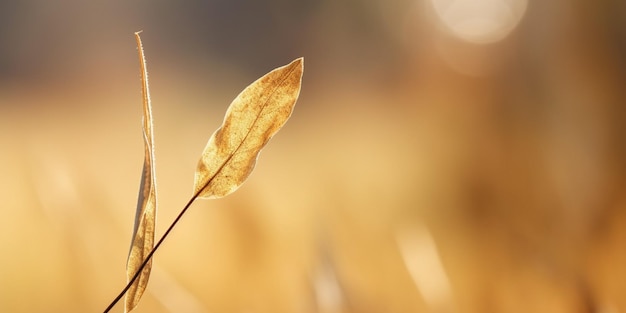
(299, 62)
(297, 68)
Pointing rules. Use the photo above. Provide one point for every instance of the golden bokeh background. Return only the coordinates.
(445, 156)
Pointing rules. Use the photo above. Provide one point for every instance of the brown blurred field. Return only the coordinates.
(420, 172)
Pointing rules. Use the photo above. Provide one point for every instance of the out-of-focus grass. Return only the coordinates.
(496, 168)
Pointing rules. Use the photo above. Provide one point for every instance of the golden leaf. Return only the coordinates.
(145, 218)
(257, 113)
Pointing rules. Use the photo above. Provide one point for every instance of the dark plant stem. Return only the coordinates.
(158, 244)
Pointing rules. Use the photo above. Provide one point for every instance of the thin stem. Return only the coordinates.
(158, 244)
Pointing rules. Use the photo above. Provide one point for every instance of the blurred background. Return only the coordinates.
(445, 155)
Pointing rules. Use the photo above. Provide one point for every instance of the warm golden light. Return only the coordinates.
(444, 156)
(480, 21)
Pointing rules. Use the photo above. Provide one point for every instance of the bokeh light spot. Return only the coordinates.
(480, 21)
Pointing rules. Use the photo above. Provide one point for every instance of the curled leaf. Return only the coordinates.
(145, 218)
(257, 113)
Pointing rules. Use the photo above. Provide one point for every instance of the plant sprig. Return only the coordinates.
(228, 159)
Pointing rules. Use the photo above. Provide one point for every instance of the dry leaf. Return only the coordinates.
(145, 218)
(257, 113)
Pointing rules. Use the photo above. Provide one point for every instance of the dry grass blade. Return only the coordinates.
(257, 113)
(143, 234)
